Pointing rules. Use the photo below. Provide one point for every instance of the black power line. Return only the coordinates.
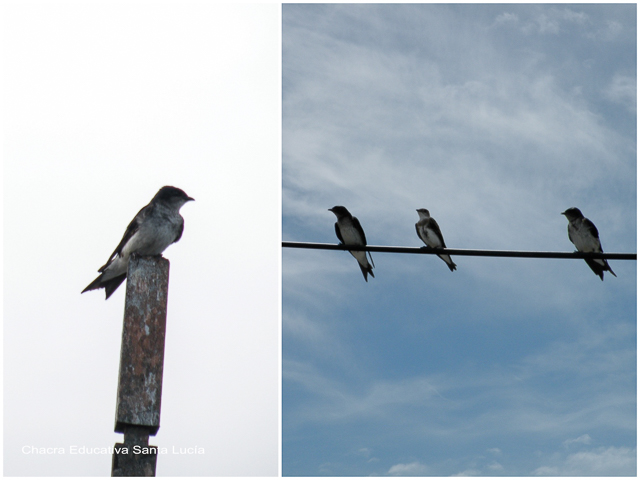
(460, 251)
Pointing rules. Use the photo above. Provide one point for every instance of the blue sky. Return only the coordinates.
(496, 118)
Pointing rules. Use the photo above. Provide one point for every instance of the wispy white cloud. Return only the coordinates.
(470, 472)
(526, 405)
(413, 469)
(609, 31)
(346, 401)
(519, 410)
(573, 16)
(582, 439)
(542, 24)
(506, 18)
(544, 21)
(622, 90)
(601, 461)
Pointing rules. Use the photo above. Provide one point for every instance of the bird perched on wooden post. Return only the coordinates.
(152, 230)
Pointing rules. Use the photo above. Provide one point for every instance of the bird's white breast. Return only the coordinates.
(431, 238)
(152, 238)
(583, 240)
(428, 236)
(350, 235)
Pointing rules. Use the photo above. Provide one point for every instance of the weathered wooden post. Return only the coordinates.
(141, 365)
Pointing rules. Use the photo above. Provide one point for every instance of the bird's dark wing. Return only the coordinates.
(418, 232)
(109, 286)
(129, 232)
(433, 225)
(112, 285)
(338, 234)
(591, 227)
(179, 235)
(358, 227)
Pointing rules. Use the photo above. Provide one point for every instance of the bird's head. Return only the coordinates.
(340, 211)
(172, 196)
(572, 214)
(424, 213)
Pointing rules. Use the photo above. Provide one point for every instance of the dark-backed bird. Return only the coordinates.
(350, 232)
(152, 230)
(584, 235)
(429, 232)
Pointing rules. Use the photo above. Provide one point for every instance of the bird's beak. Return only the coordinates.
(189, 199)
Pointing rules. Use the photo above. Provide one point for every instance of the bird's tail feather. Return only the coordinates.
(109, 286)
(96, 284)
(597, 268)
(368, 269)
(447, 259)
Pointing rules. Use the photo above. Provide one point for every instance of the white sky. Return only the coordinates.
(105, 102)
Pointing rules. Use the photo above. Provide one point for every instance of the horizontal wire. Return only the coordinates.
(461, 252)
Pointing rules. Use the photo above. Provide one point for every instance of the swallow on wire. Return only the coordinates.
(350, 232)
(584, 235)
(429, 232)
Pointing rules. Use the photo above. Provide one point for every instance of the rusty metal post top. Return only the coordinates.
(143, 338)
(144, 267)
(136, 259)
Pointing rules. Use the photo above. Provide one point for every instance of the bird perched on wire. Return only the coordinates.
(429, 232)
(152, 230)
(350, 232)
(584, 235)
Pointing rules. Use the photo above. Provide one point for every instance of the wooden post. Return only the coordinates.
(141, 365)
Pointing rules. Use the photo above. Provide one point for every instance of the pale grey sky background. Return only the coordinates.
(495, 117)
(104, 103)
